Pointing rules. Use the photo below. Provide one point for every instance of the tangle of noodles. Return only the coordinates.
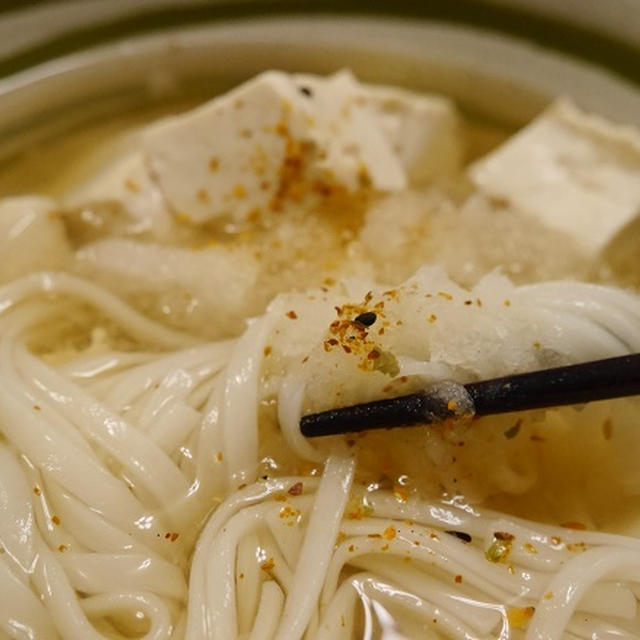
(111, 463)
(154, 483)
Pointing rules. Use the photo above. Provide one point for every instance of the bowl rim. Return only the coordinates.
(537, 27)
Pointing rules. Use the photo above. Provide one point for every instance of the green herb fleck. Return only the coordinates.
(500, 548)
(387, 363)
(513, 431)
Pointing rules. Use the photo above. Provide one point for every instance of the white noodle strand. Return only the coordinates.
(315, 554)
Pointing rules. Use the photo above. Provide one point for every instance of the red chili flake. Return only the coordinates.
(292, 314)
(374, 354)
(55, 519)
(390, 532)
(458, 579)
(254, 216)
(346, 348)
(174, 536)
(132, 185)
(499, 202)
(167, 535)
(296, 489)
(578, 526)
(268, 565)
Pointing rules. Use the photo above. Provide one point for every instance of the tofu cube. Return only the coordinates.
(573, 172)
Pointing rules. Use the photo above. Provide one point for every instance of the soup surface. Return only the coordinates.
(173, 300)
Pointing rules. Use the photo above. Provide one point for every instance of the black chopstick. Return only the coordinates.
(574, 384)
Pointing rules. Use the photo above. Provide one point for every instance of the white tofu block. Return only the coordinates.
(32, 237)
(423, 130)
(277, 139)
(266, 142)
(573, 172)
(128, 183)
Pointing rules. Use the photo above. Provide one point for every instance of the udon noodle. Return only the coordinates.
(154, 483)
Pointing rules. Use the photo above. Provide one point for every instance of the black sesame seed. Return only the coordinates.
(461, 535)
(305, 91)
(366, 319)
